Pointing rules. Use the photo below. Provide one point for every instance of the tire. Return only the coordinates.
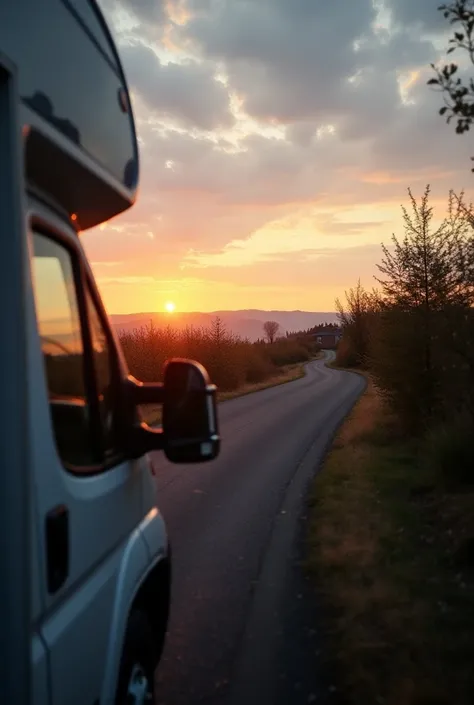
(138, 662)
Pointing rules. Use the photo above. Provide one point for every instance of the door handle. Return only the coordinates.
(57, 547)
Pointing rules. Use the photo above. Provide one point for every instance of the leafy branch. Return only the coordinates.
(458, 95)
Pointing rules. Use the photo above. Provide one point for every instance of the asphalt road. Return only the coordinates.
(240, 630)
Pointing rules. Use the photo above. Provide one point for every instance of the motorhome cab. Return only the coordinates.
(82, 505)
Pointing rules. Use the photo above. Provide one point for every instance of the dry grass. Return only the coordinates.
(285, 374)
(388, 551)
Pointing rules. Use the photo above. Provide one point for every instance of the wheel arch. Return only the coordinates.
(153, 599)
(141, 584)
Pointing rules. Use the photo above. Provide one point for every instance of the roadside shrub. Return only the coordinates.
(258, 367)
(346, 355)
(286, 352)
(230, 361)
(448, 452)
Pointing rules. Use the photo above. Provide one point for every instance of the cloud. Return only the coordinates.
(147, 11)
(262, 171)
(419, 143)
(277, 134)
(331, 269)
(187, 92)
(306, 237)
(418, 13)
(125, 280)
(307, 60)
(276, 53)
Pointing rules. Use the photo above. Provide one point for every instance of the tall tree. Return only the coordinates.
(430, 266)
(424, 279)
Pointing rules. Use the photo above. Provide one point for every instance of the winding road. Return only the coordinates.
(238, 630)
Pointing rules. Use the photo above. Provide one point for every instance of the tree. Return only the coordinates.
(430, 267)
(271, 328)
(425, 283)
(354, 318)
(218, 331)
(458, 94)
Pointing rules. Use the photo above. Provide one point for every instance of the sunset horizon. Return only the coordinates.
(277, 145)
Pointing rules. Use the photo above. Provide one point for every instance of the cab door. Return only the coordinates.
(87, 495)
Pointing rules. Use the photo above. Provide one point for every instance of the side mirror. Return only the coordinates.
(190, 432)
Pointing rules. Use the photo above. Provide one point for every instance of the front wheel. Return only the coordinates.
(136, 683)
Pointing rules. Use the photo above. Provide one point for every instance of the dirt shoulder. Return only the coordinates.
(391, 555)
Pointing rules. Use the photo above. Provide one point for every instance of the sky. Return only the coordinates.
(277, 141)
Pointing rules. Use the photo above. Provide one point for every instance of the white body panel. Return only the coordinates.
(82, 624)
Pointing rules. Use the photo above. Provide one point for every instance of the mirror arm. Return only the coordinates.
(140, 437)
(145, 439)
(144, 393)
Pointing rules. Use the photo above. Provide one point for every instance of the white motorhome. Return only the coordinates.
(84, 557)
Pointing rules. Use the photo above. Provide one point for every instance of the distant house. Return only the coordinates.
(328, 338)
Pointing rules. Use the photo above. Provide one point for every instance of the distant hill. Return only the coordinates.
(246, 323)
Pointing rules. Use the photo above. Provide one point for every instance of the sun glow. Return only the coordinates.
(170, 307)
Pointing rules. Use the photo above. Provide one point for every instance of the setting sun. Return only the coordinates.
(170, 307)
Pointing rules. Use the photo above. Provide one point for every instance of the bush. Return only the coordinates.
(448, 452)
(230, 361)
(258, 367)
(286, 352)
(346, 354)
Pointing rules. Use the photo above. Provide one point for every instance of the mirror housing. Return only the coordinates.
(189, 432)
(190, 429)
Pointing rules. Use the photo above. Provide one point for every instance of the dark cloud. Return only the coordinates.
(145, 12)
(291, 61)
(286, 59)
(420, 141)
(187, 92)
(421, 13)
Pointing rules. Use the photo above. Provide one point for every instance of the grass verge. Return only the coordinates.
(287, 373)
(388, 548)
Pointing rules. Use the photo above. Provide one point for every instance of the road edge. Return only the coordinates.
(254, 680)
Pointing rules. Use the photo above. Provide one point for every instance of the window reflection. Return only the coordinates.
(61, 342)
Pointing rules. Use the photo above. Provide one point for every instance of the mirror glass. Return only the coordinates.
(189, 413)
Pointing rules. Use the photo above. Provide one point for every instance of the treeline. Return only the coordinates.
(230, 360)
(320, 328)
(415, 331)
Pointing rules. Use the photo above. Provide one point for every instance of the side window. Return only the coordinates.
(103, 371)
(78, 439)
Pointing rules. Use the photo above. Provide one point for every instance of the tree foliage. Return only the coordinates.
(271, 328)
(458, 93)
(416, 332)
(429, 267)
(354, 318)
